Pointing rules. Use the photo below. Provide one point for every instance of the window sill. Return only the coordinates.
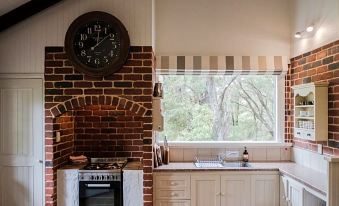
(202, 144)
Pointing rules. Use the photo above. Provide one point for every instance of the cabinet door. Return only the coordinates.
(235, 190)
(265, 190)
(173, 203)
(205, 190)
(295, 197)
(283, 191)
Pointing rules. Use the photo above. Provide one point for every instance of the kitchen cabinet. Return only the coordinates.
(216, 189)
(265, 190)
(311, 111)
(283, 191)
(205, 190)
(173, 203)
(294, 193)
(172, 189)
(235, 190)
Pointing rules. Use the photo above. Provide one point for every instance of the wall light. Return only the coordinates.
(299, 34)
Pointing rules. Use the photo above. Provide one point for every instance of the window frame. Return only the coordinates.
(278, 132)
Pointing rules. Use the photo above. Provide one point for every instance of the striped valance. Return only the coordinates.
(221, 64)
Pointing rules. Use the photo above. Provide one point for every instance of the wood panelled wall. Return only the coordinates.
(22, 46)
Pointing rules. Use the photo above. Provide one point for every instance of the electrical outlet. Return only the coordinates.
(58, 138)
(320, 148)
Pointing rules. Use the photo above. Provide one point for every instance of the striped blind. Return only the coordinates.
(275, 65)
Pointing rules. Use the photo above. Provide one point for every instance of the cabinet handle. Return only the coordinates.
(173, 194)
(217, 194)
(173, 183)
(222, 194)
(309, 135)
(298, 132)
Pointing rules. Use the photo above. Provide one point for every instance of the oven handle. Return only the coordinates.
(98, 185)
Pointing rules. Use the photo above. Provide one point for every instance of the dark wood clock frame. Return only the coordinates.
(117, 63)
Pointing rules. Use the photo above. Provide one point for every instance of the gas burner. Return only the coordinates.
(106, 164)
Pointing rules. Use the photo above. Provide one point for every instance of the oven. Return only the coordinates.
(100, 189)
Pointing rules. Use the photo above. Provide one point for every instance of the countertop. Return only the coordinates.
(314, 179)
(133, 166)
(73, 166)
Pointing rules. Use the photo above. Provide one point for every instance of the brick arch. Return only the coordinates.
(81, 101)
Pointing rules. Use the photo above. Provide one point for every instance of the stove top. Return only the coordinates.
(102, 166)
(105, 164)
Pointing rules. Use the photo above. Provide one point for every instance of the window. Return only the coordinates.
(220, 108)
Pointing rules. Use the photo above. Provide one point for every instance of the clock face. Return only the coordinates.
(97, 43)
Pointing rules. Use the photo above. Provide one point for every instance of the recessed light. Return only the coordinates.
(309, 29)
(297, 35)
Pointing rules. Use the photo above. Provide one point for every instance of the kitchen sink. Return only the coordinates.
(221, 165)
(236, 164)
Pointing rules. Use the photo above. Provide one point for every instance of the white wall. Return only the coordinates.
(324, 14)
(22, 46)
(218, 27)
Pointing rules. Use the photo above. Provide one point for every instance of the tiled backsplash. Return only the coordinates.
(262, 154)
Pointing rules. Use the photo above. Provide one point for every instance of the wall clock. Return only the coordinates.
(97, 44)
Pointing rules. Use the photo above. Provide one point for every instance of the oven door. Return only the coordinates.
(103, 193)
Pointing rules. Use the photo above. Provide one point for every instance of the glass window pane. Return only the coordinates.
(219, 107)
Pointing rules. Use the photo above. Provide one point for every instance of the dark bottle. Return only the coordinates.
(245, 155)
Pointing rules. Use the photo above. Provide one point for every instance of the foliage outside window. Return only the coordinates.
(219, 107)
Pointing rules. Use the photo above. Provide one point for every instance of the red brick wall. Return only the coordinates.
(104, 131)
(126, 94)
(65, 125)
(319, 65)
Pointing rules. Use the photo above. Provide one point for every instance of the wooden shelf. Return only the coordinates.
(304, 106)
(317, 93)
(304, 118)
(304, 129)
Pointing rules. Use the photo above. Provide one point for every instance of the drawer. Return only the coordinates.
(309, 135)
(304, 134)
(172, 203)
(172, 194)
(172, 181)
(298, 133)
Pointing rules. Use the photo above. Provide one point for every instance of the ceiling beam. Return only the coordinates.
(24, 11)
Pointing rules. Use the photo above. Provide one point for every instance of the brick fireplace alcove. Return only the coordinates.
(98, 117)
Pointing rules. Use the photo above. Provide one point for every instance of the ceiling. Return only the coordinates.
(8, 5)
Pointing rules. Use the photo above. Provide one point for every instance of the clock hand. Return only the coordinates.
(98, 37)
(92, 48)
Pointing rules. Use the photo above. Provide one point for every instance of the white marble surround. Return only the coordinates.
(133, 188)
(257, 154)
(68, 187)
